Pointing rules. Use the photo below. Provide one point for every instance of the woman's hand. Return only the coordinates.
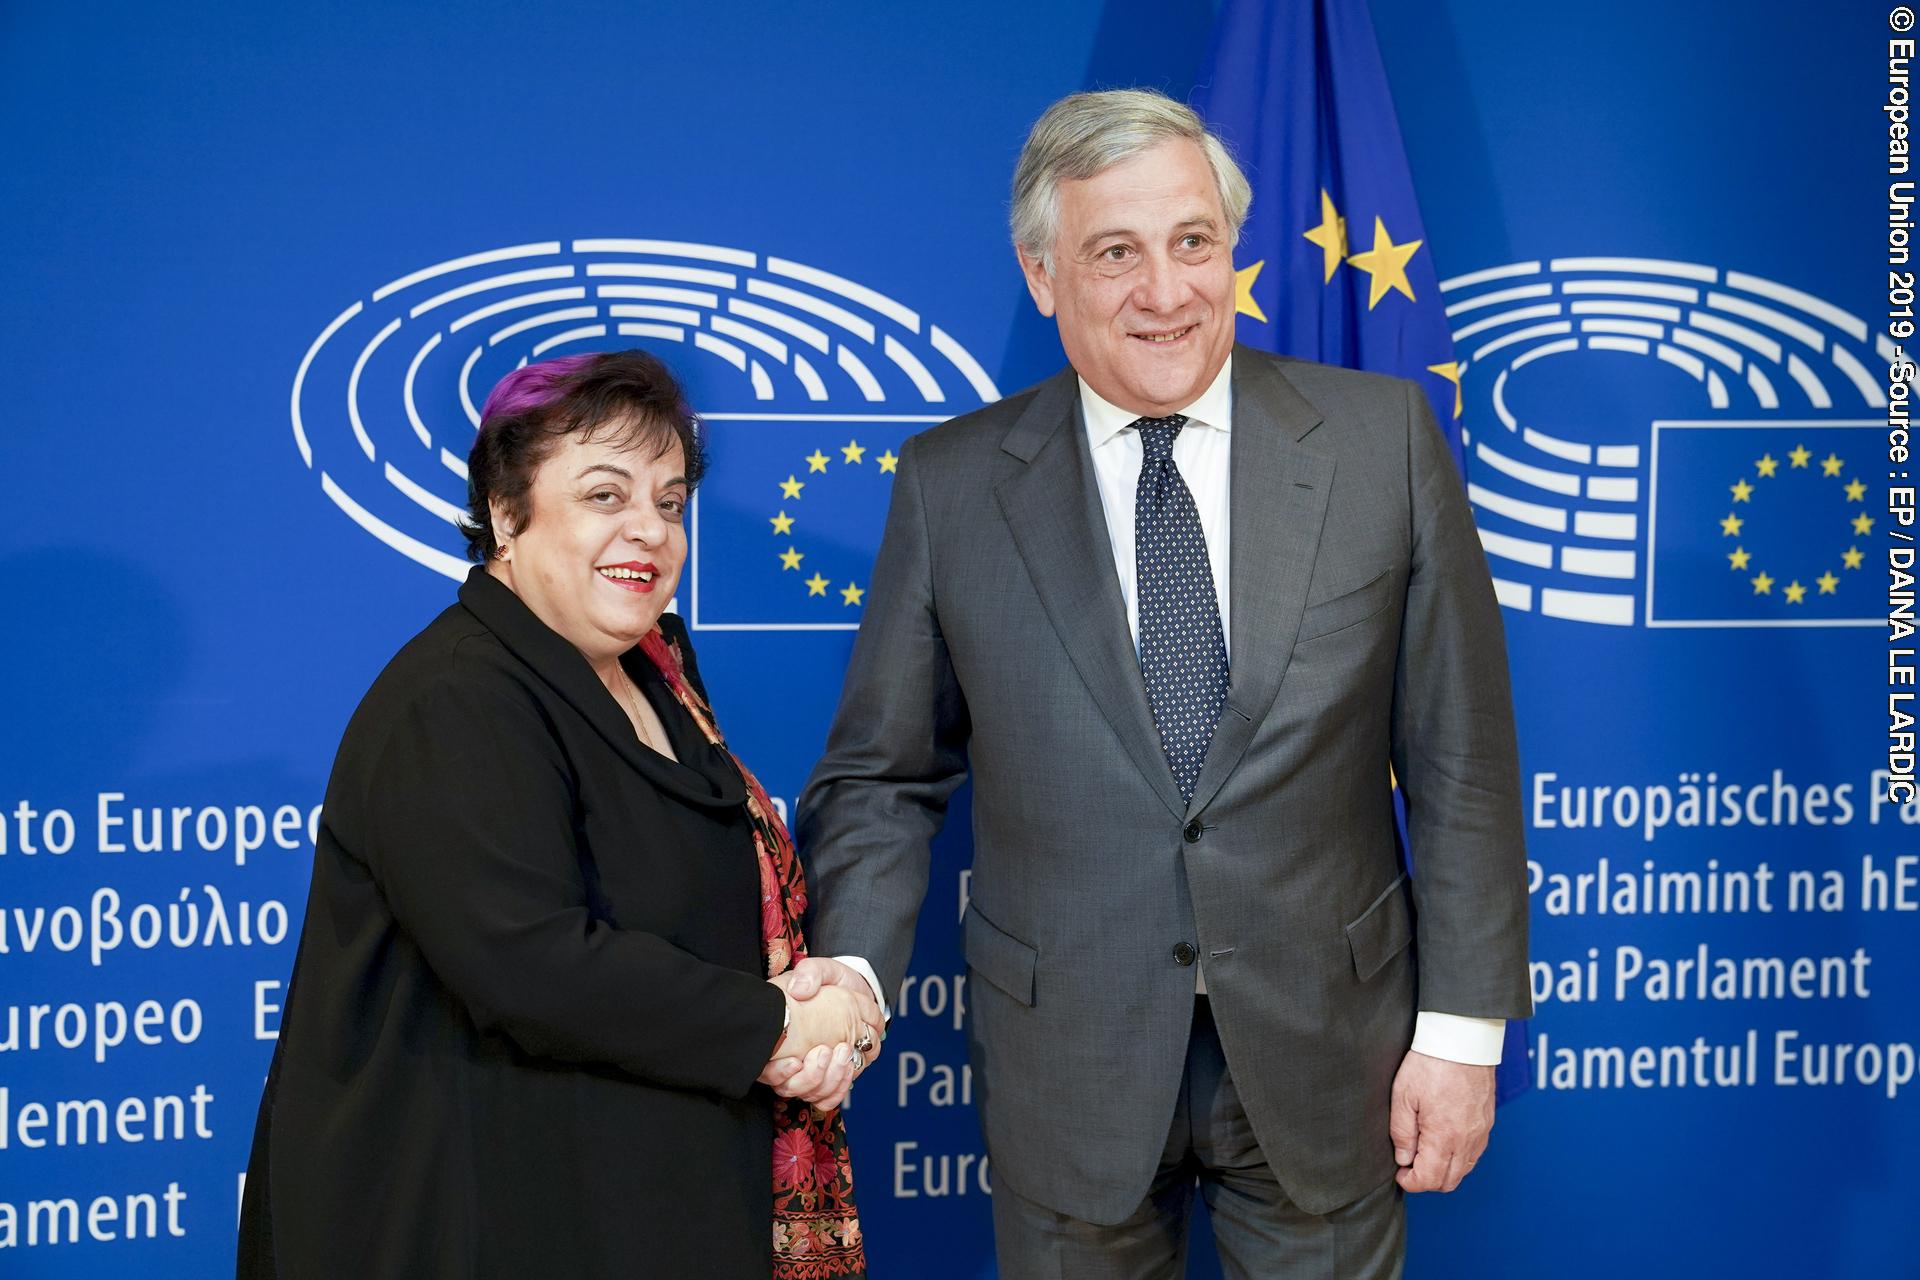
(830, 1018)
(834, 1029)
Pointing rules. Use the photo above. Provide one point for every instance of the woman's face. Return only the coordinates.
(602, 550)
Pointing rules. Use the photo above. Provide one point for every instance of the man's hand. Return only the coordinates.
(1442, 1112)
(825, 1075)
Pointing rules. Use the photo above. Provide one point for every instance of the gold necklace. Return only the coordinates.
(630, 699)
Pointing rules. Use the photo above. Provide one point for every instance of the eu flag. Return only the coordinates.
(1760, 524)
(788, 518)
(1334, 263)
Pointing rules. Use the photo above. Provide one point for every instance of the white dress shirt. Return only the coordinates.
(1203, 452)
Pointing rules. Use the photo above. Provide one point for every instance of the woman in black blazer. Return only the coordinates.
(543, 998)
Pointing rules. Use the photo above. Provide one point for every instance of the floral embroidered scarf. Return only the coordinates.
(816, 1229)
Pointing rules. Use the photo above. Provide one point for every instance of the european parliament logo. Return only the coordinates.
(1755, 513)
(809, 383)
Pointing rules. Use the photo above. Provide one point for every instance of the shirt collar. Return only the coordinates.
(1213, 408)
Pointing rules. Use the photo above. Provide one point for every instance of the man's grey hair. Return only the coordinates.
(1086, 134)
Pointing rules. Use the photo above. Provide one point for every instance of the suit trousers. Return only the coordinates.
(1210, 1148)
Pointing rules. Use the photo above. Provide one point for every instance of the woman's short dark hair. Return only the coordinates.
(626, 398)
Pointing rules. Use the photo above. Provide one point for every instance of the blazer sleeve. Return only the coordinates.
(470, 836)
(893, 759)
(1454, 751)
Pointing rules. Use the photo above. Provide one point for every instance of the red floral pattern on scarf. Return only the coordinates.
(816, 1228)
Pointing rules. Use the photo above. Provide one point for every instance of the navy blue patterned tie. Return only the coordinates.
(1183, 652)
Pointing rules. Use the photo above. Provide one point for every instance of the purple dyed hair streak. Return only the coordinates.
(533, 386)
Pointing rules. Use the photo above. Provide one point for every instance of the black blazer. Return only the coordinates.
(528, 1006)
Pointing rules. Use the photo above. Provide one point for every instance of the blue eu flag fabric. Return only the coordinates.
(1333, 261)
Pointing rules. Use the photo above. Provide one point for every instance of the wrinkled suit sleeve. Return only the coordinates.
(1454, 751)
(895, 754)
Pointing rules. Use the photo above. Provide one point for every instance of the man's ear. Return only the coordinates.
(1039, 281)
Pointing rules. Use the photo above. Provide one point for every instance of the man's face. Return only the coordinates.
(1142, 282)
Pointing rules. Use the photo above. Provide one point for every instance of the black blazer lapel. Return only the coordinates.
(1060, 530)
(562, 667)
(1278, 503)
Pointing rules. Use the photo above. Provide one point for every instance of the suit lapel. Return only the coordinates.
(1278, 504)
(1059, 528)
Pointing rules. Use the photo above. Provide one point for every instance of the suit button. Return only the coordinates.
(1192, 831)
(1184, 954)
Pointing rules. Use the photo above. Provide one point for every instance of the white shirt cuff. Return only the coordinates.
(1451, 1036)
(865, 970)
(1476, 1041)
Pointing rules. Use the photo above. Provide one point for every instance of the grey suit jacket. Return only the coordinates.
(1364, 630)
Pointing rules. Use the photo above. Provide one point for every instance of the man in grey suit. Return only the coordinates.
(1176, 610)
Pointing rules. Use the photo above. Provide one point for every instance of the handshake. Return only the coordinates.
(834, 1030)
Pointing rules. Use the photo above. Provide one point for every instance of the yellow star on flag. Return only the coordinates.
(1330, 235)
(887, 462)
(790, 559)
(792, 486)
(782, 523)
(1856, 492)
(1243, 303)
(1386, 263)
(1763, 585)
(1739, 556)
(1742, 491)
(1852, 558)
(851, 594)
(1828, 583)
(1796, 594)
(817, 461)
(1800, 455)
(816, 585)
(1863, 524)
(1451, 372)
(1831, 464)
(1730, 527)
(1767, 465)
(853, 451)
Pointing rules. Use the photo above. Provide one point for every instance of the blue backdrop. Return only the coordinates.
(260, 260)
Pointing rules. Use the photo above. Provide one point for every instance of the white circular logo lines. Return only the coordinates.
(1666, 524)
(385, 401)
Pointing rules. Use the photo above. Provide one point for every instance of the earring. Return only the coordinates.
(500, 552)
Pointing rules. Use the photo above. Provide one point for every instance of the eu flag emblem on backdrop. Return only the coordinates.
(793, 512)
(1333, 261)
(1760, 524)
